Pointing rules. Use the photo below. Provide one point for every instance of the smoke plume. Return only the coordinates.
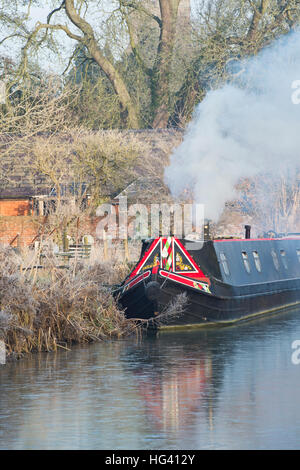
(248, 127)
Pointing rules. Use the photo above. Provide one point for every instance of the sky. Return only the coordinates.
(50, 61)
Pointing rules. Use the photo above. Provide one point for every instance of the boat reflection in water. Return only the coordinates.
(225, 387)
(172, 397)
(232, 387)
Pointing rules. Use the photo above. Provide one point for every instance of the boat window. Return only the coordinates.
(275, 260)
(298, 254)
(283, 258)
(257, 261)
(246, 261)
(224, 263)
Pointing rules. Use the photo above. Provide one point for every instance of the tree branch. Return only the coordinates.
(10, 36)
(138, 7)
(107, 67)
(54, 11)
(134, 48)
(77, 20)
(33, 35)
(62, 28)
(257, 15)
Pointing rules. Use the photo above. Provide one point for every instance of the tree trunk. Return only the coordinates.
(257, 15)
(127, 106)
(160, 78)
(112, 74)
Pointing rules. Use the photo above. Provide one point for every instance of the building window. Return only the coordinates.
(246, 262)
(283, 259)
(224, 263)
(275, 260)
(257, 261)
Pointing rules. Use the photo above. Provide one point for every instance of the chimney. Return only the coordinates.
(206, 230)
(247, 231)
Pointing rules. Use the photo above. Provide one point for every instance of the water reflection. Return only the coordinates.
(171, 398)
(222, 388)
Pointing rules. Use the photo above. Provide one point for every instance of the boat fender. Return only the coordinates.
(152, 290)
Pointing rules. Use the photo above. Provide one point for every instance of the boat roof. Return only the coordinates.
(294, 237)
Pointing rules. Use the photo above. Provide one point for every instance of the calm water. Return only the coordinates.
(225, 388)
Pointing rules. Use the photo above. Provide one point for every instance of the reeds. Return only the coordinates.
(50, 308)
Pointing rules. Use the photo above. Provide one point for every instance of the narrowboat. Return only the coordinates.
(224, 280)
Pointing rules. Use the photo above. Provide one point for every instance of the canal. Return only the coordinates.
(222, 388)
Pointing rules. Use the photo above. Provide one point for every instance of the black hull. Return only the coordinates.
(207, 309)
(146, 296)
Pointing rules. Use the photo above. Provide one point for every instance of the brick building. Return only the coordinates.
(25, 198)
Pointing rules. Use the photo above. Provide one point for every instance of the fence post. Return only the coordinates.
(65, 241)
(65, 245)
(19, 242)
(104, 246)
(126, 251)
(85, 244)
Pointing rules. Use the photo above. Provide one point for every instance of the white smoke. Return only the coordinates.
(242, 129)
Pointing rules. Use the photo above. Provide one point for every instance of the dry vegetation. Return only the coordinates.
(48, 309)
(43, 311)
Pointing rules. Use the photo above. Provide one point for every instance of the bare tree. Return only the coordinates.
(224, 33)
(158, 72)
(272, 202)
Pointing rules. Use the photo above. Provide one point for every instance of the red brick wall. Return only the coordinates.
(27, 227)
(24, 226)
(14, 207)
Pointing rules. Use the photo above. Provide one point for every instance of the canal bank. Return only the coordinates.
(53, 308)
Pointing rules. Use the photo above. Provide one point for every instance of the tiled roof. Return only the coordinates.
(18, 181)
